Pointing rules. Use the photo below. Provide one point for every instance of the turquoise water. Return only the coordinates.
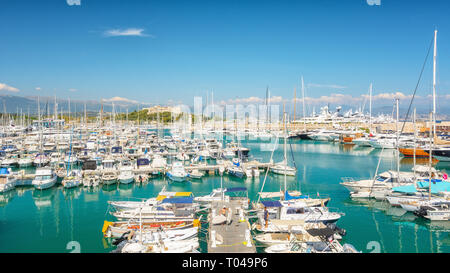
(46, 221)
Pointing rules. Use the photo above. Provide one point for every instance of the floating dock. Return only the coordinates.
(233, 236)
(211, 169)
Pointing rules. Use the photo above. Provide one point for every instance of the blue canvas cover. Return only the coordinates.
(435, 187)
(287, 196)
(143, 161)
(271, 204)
(236, 189)
(178, 200)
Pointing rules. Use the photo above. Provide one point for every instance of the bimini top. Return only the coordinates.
(4, 171)
(236, 189)
(271, 204)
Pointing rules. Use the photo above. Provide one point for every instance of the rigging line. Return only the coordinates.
(292, 153)
(376, 172)
(267, 170)
(417, 85)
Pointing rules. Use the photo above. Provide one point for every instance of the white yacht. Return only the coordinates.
(215, 195)
(9, 161)
(177, 173)
(283, 168)
(126, 175)
(25, 161)
(44, 178)
(40, 160)
(284, 215)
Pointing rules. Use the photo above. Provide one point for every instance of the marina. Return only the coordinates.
(56, 207)
(208, 127)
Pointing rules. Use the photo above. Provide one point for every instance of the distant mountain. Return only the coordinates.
(29, 104)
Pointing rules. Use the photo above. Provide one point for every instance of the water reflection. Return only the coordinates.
(73, 193)
(421, 161)
(7, 197)
(407, 222)
(43, 198)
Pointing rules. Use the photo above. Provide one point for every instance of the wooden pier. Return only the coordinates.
(233, 236)
(211, 169)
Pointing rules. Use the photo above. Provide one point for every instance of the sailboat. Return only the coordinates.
(283, 167)
(73, 177)
(291, 212)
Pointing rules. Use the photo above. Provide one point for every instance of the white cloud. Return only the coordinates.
(38, 88)
(391, 96)
(126, 32)
(72, 90)
(5, 87)
(334, 98)
(119, 99)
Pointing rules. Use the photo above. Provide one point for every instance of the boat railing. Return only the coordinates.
(130, 198)
(348, 179)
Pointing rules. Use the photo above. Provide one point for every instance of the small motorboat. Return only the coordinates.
(195, 174)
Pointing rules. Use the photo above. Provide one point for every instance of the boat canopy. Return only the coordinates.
(325, 232)
(178, 200)
(143, 161)
(272, 204)
(4, 171)
(187, 194)
(89, 165)
(116, 150)
(435, 187)
(287, 196)
(236, 189)
(405, 189)
(164, 195)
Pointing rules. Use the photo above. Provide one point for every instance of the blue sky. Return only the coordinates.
(175, 50)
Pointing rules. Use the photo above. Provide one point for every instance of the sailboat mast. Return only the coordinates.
(430, 156)
(303, 100)
(398, 152)
(285, 151)
(434, 82)
(370, 108)
(414, 153)
(295, 101)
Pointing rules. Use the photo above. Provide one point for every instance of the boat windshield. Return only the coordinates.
(295, 211)
(43, 177)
